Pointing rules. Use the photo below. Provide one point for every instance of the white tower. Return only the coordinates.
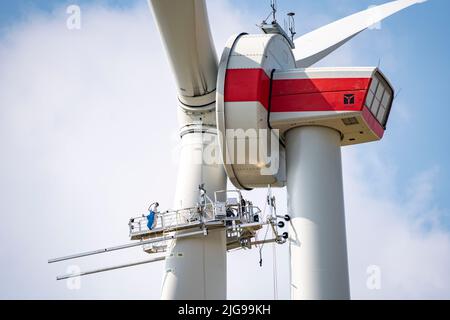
(316, 203)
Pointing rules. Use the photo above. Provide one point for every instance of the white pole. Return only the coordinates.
(196, 266)
(121, 266)
(319, 268)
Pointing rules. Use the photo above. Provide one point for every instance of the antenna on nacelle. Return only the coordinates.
(275, 28)
(273, 13)
(273, 5)
(291, 25)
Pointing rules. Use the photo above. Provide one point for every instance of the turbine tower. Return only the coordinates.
(262, 117)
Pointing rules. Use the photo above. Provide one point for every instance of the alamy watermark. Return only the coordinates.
(254, 147)
(73, 22)
(373, 281)
(73, 283)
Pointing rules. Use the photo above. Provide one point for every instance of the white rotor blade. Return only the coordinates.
(316, 45)
(185, 31)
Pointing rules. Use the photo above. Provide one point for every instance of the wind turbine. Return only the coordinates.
(314, 125)
(289, 122)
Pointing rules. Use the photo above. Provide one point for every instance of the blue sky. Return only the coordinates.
(54, 161)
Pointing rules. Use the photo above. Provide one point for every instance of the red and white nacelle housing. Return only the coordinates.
(354, 101)
(260, 88)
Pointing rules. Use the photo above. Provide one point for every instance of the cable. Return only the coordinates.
(270, 203)
(275, 273)
(269, 107)
(262, 246)
(265, 236)
(274, 252)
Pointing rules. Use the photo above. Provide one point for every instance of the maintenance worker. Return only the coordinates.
(230, 214)
(151, 218)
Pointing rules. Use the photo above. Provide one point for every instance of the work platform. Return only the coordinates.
(229, 211)
(239, 217)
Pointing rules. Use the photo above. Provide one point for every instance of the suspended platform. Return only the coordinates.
(229, 211)
(239, 217)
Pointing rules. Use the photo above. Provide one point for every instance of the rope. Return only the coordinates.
(274, 265)
(274, 249)
(265, 236)
(275, 272)
(262, 246)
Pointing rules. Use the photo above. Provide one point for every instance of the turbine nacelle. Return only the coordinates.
(261, 96)
(354, 101)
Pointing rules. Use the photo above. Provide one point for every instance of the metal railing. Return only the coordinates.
(233, 212)
(171, 220)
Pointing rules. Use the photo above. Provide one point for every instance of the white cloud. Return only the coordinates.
(87, 127)
(397, 230)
